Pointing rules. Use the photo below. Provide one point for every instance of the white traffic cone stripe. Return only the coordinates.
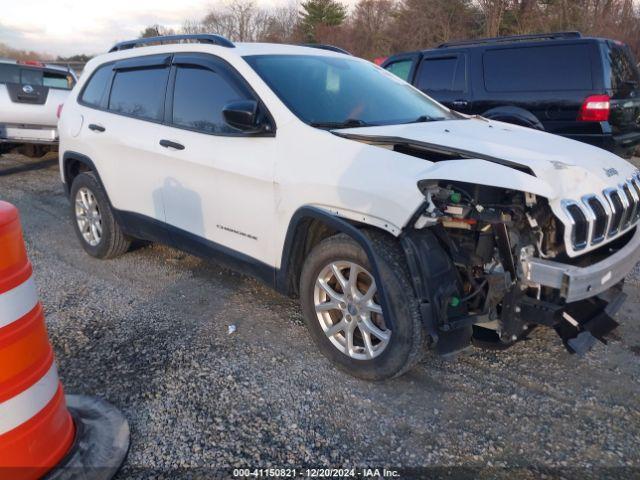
(24, 406)
(17, 302)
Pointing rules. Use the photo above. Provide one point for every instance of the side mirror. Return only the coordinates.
(242, 115)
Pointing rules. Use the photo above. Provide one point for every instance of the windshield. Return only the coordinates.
(333, 92)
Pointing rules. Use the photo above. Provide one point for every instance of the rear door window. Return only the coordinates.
(444, 74)
(200, 95)
(139, 93)
(538, 69)
(401, 68)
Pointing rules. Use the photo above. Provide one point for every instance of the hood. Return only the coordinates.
(568, 167)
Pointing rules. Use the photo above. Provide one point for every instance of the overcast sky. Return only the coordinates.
(67, 27)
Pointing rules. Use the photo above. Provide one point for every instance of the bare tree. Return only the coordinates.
(493, 11)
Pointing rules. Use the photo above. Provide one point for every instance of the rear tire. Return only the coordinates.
(328, 326)
(93, 219)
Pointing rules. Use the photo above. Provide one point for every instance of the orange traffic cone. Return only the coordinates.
(38, 434)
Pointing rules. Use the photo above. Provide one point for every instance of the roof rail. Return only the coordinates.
(331, 48)
(197, 38)
(512, 38)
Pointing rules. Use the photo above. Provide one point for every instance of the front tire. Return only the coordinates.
(342, 307)
(93, 220)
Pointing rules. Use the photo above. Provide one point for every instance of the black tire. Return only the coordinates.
(407, 341)
(113, 242)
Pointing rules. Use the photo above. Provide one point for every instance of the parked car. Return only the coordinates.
(31, 94)
(396, 221)
(583, 88)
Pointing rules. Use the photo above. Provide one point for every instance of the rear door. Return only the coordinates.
(122, 122)
(623, 80)
(443, 76)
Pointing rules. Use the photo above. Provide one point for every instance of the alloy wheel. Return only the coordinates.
(349, 311)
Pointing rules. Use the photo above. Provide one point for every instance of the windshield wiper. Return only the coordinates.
(426, 118)
(348, 123)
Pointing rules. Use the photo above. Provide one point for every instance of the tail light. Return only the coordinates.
(59, 110)
(595, 109)
(379, 60)
(32, 63)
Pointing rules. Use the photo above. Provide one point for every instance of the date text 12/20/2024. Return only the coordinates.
(315, 473)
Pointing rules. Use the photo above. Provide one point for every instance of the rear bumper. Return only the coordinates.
(577, 283)
(46, 135)
(620, 144)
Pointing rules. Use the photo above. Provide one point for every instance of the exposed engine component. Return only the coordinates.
(485, 233)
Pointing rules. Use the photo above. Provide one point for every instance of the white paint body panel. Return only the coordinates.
(255, 185)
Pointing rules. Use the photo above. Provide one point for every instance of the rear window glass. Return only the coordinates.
(57, 80)
(9, 73)
(139, 93)
(96, 85)
(401, 68)
(35, 76)
(624, 73)
(30, 77)
(441, 74)
(536, 69)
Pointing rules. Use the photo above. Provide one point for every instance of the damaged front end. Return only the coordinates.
(489, 264)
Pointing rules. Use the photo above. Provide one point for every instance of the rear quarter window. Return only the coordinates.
(94, 90)
(622, 68)
(536, 69)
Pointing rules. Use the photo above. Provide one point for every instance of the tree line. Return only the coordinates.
(373, 28)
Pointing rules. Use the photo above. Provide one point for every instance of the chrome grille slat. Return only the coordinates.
(632, 195)
(597, 217)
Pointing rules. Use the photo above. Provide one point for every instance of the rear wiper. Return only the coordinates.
(348, 123)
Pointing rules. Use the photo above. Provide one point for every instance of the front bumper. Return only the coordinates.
(577, 283)
(28, 134)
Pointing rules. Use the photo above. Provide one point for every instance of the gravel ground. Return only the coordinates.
(149, 333)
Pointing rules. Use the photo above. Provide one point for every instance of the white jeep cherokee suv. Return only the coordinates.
(31, 94)
(397, 222)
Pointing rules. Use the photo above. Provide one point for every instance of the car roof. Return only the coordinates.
(48, 66)
(239, 50)
(498, 42)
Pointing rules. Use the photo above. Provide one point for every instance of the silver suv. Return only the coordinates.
(31, 94)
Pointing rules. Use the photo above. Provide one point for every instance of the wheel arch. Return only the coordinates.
(307, 227)
(73, 164)
(515, 115)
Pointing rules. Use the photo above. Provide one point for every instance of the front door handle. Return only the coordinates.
(170, 144)
(96, 128)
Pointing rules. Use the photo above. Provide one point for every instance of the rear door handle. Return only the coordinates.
(96, 128)
(170, 144)
(460, 103)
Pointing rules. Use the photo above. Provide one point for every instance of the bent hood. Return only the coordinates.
(568, 167)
